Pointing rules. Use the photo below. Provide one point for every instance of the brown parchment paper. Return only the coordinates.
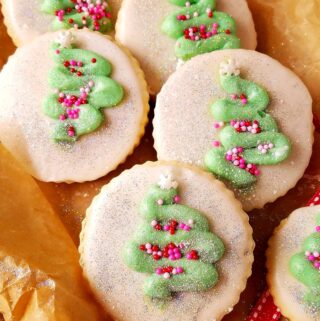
(288, 30)
(40, 277)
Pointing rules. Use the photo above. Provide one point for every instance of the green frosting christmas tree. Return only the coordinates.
(92, 14)
(305, 266)
(82, 87)
(249, 136)
(198, 28)
(173, 245)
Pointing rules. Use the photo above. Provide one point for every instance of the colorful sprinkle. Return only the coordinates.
(172, 226)
(242, 126)
(234, 156)
(96, 12)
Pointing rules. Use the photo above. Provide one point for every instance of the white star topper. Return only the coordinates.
(65, 39)
(229, 68)
(166, 182)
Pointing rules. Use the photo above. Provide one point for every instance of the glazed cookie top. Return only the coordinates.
(176, 236)
(27, 19)
(83, 109)
(237, 113)
(293, 265)
(163, 34)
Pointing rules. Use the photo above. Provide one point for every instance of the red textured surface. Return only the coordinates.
(265, 310)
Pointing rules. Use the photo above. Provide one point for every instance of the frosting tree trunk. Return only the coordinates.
(249, 137)
(305, 267)
(199, 28)
(173, 245)
(82, 87)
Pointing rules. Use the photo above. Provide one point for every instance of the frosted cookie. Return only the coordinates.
(293, 263)
(243, 117)
(27, 19)
(164, 241)
(75, 106)
(163, 34)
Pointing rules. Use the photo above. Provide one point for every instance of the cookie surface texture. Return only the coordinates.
(240, 115)
(293, 272)
(75, 106)
(162, 34)
(193, 280)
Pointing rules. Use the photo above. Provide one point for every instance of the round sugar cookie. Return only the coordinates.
(293, 265)
(163, 34)
(242, 116)
(27, 19)
(166, 241)
(75, 106)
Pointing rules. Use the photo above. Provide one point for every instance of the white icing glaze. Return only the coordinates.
(112, 220)
(25, 130)
(183, 124)
(26, 21)
(287, 241)
(138, 28)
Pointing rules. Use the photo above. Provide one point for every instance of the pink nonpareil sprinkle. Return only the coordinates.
(217, 125)
(179, 270)
(216, 143)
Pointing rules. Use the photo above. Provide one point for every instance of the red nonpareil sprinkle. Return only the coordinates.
(158, 227)
(174, 223)
(155, 248)
(79, 74)
(71, 20)
(181, 17)
(210, 14)
(156, 257)
(93, 60)
(192, 255)
(243, 96)
(71, 131)
(228, 32)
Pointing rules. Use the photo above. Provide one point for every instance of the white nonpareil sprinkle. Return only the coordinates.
(166, 182)
(229, 68)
